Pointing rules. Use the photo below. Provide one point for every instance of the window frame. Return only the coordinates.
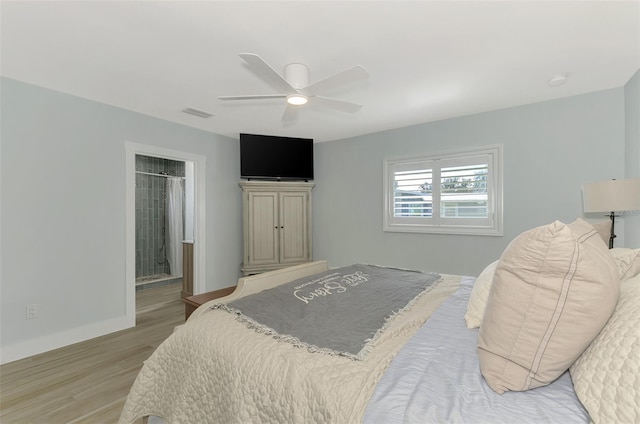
(490, 226)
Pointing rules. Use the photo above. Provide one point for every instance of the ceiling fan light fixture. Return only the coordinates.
(294, 86)
(297, 99)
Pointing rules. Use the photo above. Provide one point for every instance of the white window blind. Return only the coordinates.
(457, 193)
(413, 193)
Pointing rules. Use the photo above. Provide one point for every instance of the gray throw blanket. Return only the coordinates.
(338, 312)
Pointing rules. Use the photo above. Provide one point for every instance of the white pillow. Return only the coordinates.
(606, 375)
(553, 291)
(604, 229)
(627, 260)
(479, 296)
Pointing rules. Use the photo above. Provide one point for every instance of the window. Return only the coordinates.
(452, 193)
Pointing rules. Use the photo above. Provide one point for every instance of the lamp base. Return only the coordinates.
(612, 215)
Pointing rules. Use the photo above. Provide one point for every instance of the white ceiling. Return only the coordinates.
(427, 60)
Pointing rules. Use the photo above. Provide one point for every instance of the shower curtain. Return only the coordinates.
(174, 225)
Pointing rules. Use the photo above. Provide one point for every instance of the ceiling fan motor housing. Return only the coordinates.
(297, 75)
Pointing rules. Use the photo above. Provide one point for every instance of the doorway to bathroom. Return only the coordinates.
(164, 218)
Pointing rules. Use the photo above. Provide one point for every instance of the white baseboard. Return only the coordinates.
(64, 338)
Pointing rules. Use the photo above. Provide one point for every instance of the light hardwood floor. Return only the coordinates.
(88, 382)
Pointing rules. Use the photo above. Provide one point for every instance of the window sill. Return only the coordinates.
(451, 230)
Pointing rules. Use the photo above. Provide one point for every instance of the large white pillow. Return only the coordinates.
(604, 229)
(628, 261)
(606, 377)
(554, 289)
(479, 295)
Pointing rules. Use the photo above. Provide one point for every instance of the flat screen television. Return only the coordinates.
(268, 157)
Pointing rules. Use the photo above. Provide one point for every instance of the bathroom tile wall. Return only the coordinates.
(150, 196)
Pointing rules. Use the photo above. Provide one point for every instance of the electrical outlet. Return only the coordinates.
(33, 311)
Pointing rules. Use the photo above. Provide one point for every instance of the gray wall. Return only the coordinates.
(632, 152)
(63, 210)
(550, 150)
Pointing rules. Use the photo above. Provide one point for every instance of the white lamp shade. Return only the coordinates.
(611, 196)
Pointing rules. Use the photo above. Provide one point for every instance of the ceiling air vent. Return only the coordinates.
(199, 113)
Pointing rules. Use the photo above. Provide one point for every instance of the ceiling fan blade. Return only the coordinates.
(290, 113)
(356, 73)
(337, 104)
(254, 97)
(267, 72)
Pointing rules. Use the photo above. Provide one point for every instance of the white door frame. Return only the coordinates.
(131, 150)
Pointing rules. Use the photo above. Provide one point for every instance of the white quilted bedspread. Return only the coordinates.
(216, 370)
(607, 375)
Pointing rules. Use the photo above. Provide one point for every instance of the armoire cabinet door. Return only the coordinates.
(263, 228)
(293, 227)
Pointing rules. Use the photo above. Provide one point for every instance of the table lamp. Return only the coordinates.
(612, 196)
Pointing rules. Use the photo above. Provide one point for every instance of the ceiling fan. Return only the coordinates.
(295, 86)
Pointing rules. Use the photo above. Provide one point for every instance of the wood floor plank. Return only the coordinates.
(88, 382)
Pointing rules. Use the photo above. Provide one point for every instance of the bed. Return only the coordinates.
(437, 358)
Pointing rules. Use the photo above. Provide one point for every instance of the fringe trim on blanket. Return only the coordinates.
(368, 343)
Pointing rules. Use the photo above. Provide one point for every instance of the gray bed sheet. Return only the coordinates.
(436, 378)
